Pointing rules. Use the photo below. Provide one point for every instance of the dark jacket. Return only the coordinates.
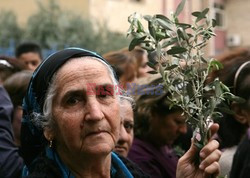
(241, 161)
(11, 163)
(156, 162)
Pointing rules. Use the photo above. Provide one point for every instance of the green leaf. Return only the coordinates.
(169, 42)
(164, 24)
(196, 13)
(158, 51)
(151, 65)
(190, 91)
(218, 90)
(135, 42)
(238, 99)
(183, 25)
(202, 15)
(224, 87)
(180, 8)
(140, 28)
(205, 11)
(176, 50)
(151, 29)
(147, 17)
(162, 17)
(214, 64)
(214, 23)
(161, 70)
(226, 110)
(152, 72)
(204, 60)
(171, 67)
(160, 36)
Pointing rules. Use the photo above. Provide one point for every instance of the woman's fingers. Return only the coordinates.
(209, 148)
(213, 169)
(210, 159)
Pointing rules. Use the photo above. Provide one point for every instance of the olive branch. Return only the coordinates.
(180, 60)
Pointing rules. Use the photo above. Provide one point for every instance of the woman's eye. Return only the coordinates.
(104, 94)
(128, 126)
(73, 101)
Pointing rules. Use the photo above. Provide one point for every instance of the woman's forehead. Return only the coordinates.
(87, 66)
(83, 73)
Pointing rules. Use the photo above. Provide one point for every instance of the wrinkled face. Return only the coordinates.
(126, 130)
(167, 129)
(31, 60)
(143, 68)
(86, 123)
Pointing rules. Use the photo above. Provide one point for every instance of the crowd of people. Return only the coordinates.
(72, 115)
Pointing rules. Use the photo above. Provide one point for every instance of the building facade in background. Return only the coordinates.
(231, 15)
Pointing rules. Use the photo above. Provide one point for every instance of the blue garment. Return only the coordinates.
(11, 163)
(66, 173)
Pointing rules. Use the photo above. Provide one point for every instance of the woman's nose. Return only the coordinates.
(94, 110)
(183, 128)
(123, 136)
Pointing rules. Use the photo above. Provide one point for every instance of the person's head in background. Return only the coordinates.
(9, 66)
(235, 74)
(124, 65)
(16, 86)
(141, 56)
(30, 53)
(126, 134)
(154, 120)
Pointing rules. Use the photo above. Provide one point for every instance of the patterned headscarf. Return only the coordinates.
(32, 139)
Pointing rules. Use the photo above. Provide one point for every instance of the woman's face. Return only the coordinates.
(126, 130)
(143, 68)
(86, 122)
(167, 129)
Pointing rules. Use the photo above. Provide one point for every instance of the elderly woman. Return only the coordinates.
(126, 134)
(71, 122)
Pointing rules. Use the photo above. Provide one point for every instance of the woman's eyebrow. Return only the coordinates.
(73, 93)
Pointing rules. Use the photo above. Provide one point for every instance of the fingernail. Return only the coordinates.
(202, 155)
(201, 166)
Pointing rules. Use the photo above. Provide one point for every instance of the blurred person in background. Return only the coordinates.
(9, 66)
(16, 86)
(235, 74)
(11, 163)
(156, 128)
(141, 57)
(124, 65)
(30, 54)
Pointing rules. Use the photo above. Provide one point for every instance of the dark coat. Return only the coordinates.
(11, 163)
(241, 161)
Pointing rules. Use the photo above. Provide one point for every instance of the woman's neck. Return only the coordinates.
(91, 166)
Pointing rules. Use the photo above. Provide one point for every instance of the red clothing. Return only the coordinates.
(157, 162)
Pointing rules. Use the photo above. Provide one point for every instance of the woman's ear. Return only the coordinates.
(48, 134)
(240, 114)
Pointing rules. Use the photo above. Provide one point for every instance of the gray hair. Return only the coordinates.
(46, 120)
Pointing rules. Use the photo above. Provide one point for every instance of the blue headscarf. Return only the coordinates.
(32, 139)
